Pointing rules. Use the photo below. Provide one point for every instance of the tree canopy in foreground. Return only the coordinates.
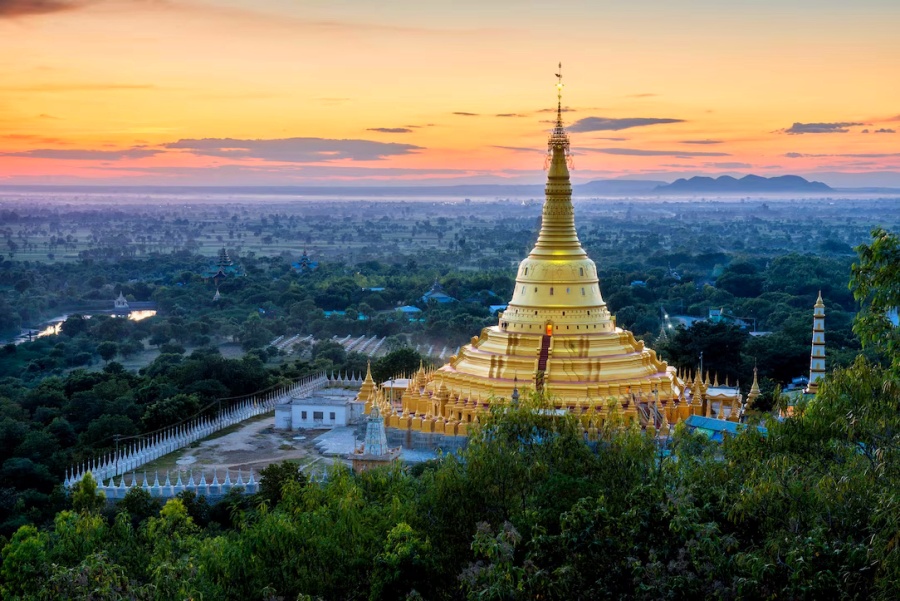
(529, 510)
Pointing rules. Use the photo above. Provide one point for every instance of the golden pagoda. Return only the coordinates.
(367, 388)
(557, 331)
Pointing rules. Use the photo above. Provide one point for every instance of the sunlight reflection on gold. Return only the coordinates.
(139, 315)
(50, 330)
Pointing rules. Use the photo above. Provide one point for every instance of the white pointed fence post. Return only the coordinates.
(140, 450)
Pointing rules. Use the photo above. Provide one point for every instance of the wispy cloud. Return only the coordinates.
(728, 165)
(840, 127)
(77, 87)
(611, 124)
(237, 96)
(701, 141)
(510, 115)
(390, 130)
(464, 114)
(337, 171)
(77, 154)
(521, 149)
(644, 95)
(855, 155)
(33, 138)
(21, 8)
(265, 15)
(294, 150)
(640, 152)
(885, 130)
(613, 139)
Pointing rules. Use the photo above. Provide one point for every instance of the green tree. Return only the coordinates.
(404, 360)
(498, 576)
(85, 496)
(741, 279)
(107, 350)
(24, 563)
(721, 345)
(74, 325)
(875, 282)
(395, 343)
(330, 350)
(254, 333)
(139, 505)
(273, 478)
(404, 563)
(169, 411)
(95, 578)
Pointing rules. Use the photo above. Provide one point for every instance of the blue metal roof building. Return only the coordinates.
(716, 429)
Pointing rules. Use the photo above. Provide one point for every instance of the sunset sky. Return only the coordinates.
(361, 92)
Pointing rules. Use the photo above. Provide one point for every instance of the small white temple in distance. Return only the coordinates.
(120, 304)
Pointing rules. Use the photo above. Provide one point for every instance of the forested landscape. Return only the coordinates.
(807, 509)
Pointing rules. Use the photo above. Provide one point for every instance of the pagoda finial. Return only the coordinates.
(559, 89)
(559, 140)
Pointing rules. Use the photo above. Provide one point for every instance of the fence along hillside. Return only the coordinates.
(151, 446)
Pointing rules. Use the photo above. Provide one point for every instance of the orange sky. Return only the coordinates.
(294, 92)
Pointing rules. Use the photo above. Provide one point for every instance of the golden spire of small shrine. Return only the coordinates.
(368, 385)
(754, 389)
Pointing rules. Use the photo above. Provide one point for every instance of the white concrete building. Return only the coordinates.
(324, 409)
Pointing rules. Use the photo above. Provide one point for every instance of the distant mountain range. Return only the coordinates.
(748, 184)
(610, 187)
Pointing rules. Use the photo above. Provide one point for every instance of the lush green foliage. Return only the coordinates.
(66, 420)
(876, 284)
(529, 510)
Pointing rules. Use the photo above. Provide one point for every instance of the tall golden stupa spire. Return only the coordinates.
(557, 236)
(557, 274)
